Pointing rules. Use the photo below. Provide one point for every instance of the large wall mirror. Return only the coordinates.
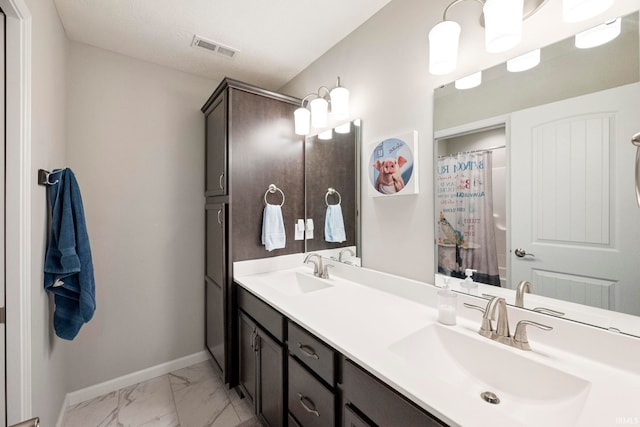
(535, 181)
(332, 193)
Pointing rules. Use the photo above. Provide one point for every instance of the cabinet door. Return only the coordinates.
(271, 379)
(247, 356)
(216, 242)
(216, 149)
(215, 322)
(215, 283)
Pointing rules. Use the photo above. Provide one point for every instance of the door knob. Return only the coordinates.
(521, 253)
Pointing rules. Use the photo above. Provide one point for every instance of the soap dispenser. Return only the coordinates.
(447, 304)
(468, 282)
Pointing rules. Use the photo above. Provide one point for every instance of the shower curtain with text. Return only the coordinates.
(464, 221)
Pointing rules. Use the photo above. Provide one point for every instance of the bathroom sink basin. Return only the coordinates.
(466, 363)
(291, 282)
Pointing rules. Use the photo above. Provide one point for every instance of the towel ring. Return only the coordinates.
(272, 189)
(330, 191)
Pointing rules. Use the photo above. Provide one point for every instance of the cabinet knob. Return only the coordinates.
(220, 216)
(220, 181)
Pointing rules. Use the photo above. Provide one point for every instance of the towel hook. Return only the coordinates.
(331, 191)
(44, 175)
(272, 189)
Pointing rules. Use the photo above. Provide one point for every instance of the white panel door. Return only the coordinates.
(3, 397)
(573, 199)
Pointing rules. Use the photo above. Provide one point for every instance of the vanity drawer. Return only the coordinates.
(351, 419)
(268, 318)
(310, 402)
(380, 403)
(292, 421)
(319, 357)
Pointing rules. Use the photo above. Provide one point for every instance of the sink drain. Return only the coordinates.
(490, 397)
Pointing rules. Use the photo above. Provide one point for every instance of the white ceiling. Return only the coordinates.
(276, 39)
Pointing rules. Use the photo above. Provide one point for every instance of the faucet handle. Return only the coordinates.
(325, 271)
(520, 338)
(486, 329)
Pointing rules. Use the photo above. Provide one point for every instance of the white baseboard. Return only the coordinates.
(115, 384)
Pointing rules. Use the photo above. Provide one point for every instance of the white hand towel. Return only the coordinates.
(273, 235)
(334, 225)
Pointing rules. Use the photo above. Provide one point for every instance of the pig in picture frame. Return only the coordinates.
(393, 166)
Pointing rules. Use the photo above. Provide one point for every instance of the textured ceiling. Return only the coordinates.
(276, 39)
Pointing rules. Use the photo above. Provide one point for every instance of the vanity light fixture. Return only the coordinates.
(502, 24)
(524, 62)
(599, 35)
(580, 10)
(336, 99)
(470, 81)
(502, 20)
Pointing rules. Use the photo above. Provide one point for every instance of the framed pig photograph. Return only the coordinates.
(393, 166)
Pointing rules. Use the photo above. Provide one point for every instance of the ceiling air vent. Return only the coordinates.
(212, 46)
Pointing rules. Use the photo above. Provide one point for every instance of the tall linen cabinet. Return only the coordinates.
(250, 144)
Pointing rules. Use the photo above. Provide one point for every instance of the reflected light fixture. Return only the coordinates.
(326, 135)
(599, 35)
(344, 128)
(580, 10)
(470, 81)
(321, 104)
(524, 62)
(503, 30)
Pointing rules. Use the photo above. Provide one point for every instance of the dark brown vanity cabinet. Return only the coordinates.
(216, 148)
(215, 276)
(320, 386)
(261, 358)
(250, 143)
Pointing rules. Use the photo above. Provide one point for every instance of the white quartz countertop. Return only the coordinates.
(364, 322)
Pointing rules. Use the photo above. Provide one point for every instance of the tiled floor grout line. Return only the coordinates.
(173, 398)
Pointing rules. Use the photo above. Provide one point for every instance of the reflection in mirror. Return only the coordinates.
(470, 206)
(332, 194)
(568, 215)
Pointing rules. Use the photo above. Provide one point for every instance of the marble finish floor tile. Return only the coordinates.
(242, 406)
(201, 398)
(190, 397)
(148, 404)
(99, 412)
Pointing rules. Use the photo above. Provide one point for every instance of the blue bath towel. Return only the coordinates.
(273, 234)
(334, 224)
(68, 268)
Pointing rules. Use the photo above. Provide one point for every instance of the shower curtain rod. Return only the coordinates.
(482, 150)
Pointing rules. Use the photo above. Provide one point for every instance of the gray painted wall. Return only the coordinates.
(384, 64)
(136, 144)
(48, 151)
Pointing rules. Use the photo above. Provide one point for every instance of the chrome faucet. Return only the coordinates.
(342, 253)
(318, 269)
(523, 288)
(501, 333)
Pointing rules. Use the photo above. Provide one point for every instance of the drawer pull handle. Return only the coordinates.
(308, 351)
(220, 181)
(312, 408)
